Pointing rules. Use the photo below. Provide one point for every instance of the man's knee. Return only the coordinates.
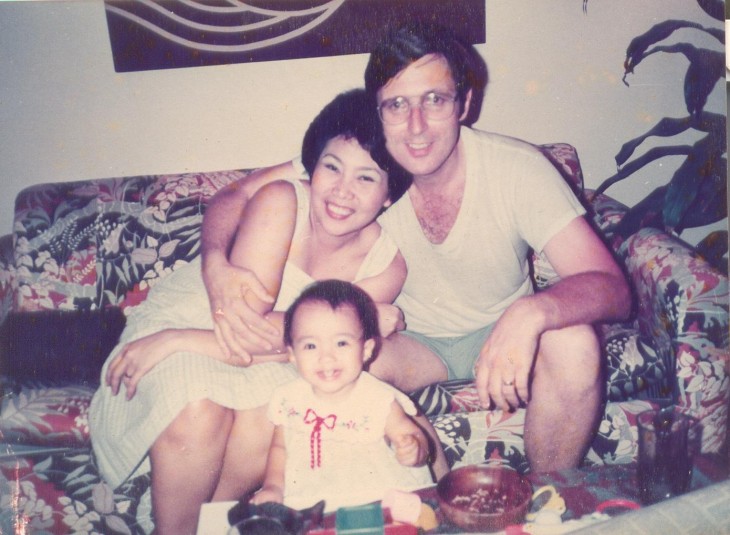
(571, 355)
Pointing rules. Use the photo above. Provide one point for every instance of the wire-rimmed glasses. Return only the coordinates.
(435, 106)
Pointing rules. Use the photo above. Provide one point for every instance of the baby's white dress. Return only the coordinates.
(336, 451)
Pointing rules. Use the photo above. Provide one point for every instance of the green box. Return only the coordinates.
(361, 520)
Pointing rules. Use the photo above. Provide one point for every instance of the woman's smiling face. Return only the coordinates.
(348, 188)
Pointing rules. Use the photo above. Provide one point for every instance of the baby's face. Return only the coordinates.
(328, 347)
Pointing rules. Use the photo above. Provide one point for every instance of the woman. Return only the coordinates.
(187, 413)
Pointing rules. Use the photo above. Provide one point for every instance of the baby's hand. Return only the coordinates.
(408, 451)
(267, 494)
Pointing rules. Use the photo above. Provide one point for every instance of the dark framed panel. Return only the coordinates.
(168, 34)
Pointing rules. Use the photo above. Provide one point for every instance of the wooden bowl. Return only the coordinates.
(484, 498)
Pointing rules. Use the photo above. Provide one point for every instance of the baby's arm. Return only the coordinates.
(411, 446)
(273, 487)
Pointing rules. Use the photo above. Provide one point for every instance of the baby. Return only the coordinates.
(341, 434)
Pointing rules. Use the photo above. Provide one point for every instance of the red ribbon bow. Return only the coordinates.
(315, 439)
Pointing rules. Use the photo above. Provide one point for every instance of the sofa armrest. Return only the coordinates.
(682, 303)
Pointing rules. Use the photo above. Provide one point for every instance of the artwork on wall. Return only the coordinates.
(168, 34)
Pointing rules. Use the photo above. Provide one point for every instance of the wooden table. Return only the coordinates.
(583, 490)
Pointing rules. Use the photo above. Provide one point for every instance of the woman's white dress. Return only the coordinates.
(123, 431)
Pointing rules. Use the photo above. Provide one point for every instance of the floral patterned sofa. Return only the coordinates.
(94, 248)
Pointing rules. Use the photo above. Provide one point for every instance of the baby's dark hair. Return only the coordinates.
(352, 115)
(337, 294)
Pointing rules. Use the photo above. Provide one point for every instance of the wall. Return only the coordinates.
(555, 76)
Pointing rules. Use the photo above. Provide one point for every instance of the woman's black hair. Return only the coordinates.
(352, 115)
(337, 294)
(413, 40)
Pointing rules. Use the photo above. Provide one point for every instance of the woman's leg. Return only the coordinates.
(245, 458)
(186, 464)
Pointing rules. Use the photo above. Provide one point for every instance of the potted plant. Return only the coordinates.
(696, 195)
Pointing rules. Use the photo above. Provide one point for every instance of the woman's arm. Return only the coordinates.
(273, 488)
(138, 357)
(222, 277)
(411, 446)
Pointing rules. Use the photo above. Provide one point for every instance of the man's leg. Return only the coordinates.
(565, 397)
(409, 365)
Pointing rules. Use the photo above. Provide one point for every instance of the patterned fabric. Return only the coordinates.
(43, 414)
(683, 308)
(99, 243)
(105, 242)
(62, 493)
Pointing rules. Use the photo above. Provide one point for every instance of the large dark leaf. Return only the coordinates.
(667, 127)
(636, 164)
(638, 48)
(714, 8)
(706, 67)
(646, 213)
(702, 165)
(710, 203)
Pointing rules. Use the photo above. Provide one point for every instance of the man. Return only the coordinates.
(478, 204)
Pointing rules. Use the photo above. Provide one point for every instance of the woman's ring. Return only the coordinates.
(508, 383)
(219, 311)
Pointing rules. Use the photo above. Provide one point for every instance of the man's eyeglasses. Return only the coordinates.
(434, 106)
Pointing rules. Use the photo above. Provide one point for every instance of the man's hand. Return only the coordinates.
(505, 361)
(234, 320)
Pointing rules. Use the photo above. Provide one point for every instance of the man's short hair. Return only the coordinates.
(413, 40)
(352, 115)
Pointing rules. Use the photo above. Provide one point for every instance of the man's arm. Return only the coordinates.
(223, 279)
(591, 289)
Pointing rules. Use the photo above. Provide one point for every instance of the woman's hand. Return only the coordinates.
(137, 358)
(237, 325)
(390, 319)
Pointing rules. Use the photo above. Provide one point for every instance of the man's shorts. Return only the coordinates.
(458, 353)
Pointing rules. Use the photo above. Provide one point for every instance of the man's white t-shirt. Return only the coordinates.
(514, 199)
